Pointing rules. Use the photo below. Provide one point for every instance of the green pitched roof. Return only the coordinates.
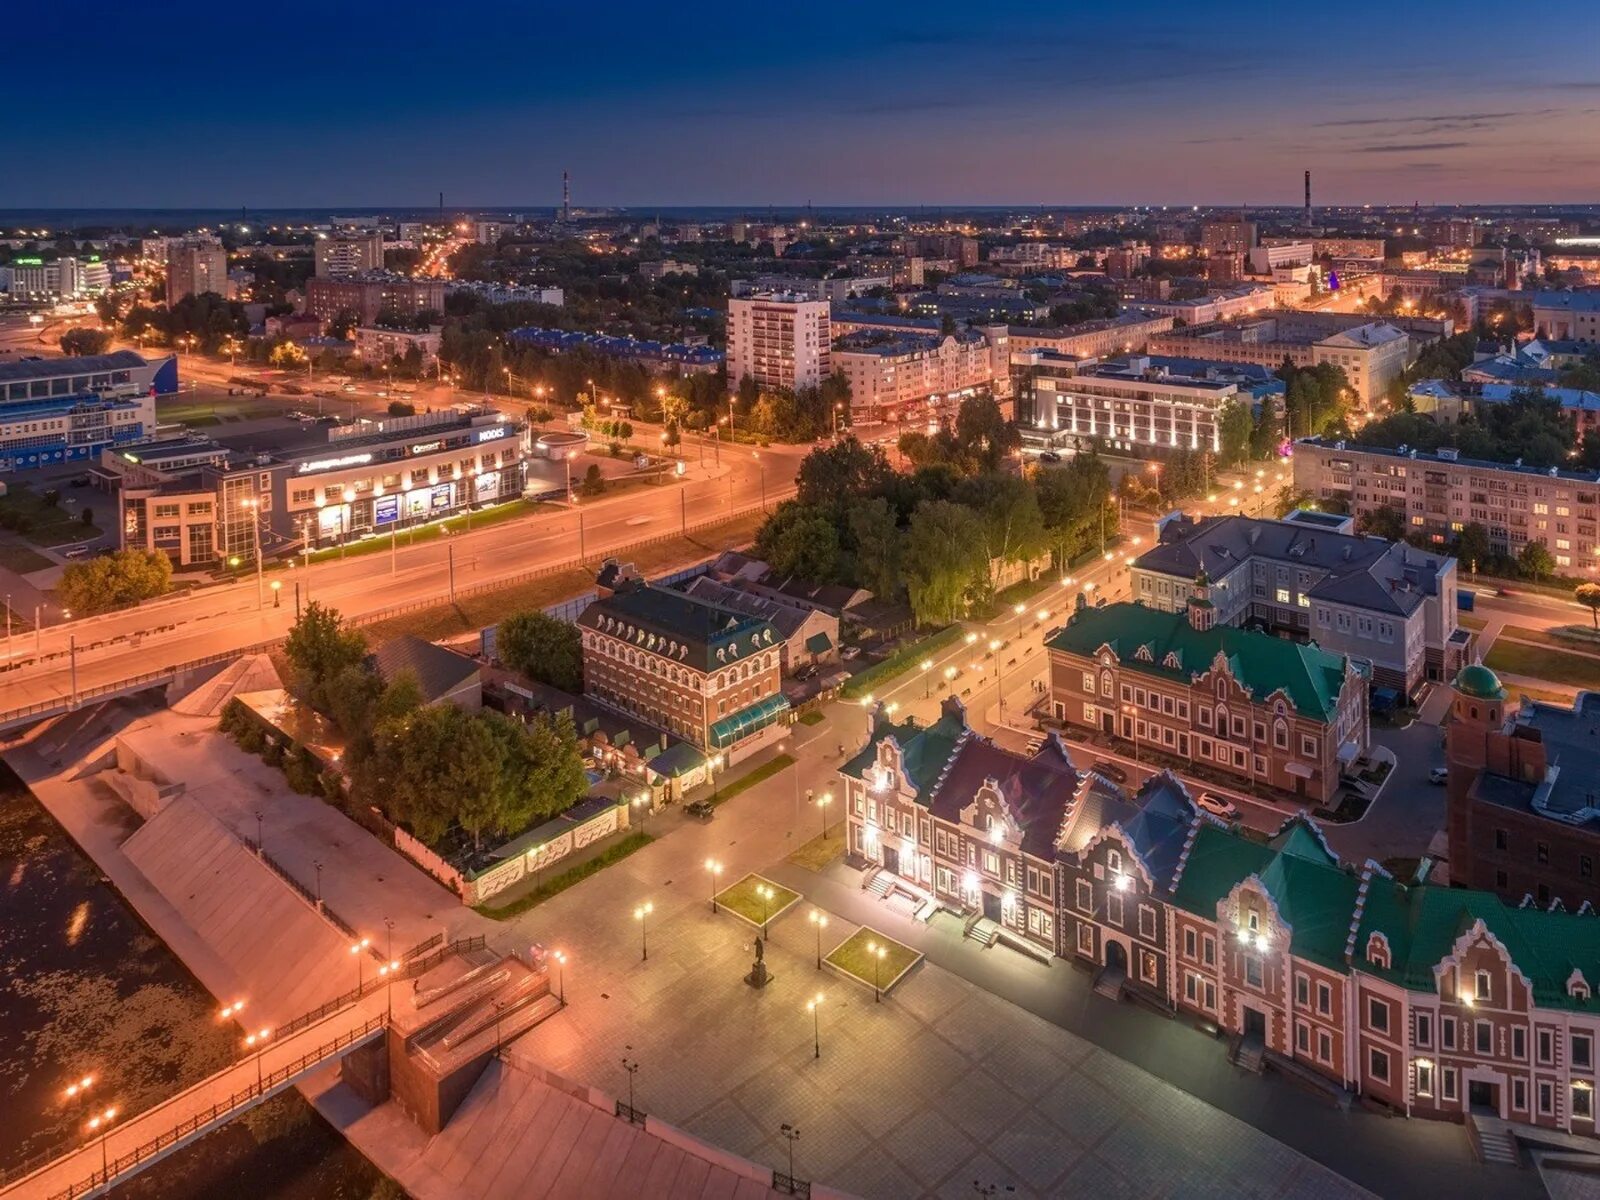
(1311, 676)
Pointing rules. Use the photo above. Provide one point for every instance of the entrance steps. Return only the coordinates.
(1108, 983)
(982, 930)
(1491, 1140)
(1248, 1053)
(879, 883)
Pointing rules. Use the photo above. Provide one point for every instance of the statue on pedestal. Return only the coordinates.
(758, 977)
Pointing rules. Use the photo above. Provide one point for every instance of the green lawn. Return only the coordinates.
(47, 525)
(819, 851)
(1544, 663)
(560, 883)
(853, 957)
(812, 716)
(21, 559)
(743, 900)
(765, 771)
(511, 510)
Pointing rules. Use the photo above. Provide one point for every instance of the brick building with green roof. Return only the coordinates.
(1269, 711)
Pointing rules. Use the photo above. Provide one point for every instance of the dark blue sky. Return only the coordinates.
(365, 103)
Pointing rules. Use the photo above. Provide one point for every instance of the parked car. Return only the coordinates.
(702, 809)
(1111, 771)
(1439, 775)
(850, 652)
(1050, 456)
(349, 387)
(1216, 805)
(80, 481)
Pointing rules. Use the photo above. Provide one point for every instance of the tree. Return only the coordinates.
(343, 322)
(318, 648)
(1588, 595)
(835, 474)
(287, 354)
(594, 483)
(86, 515)
(112, 580)
(543, 648)
(1383, 521)
(1234, 427)
(802, 540)
(1535, 561)
(944, 560)
(1072, 504)
(543, 769)
(876, 545)
(85, 341)
(434, 768)
(1012, 527)
(983, 435)
(1472, 546)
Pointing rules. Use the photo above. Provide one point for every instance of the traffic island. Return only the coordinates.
(872, 959)
(757, 900)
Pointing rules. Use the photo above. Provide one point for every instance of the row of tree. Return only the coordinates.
(937, 535)
(437, 768)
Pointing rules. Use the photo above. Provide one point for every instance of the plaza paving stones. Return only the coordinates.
(939, 1086)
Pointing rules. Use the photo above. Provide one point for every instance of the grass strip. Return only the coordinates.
(1543, 663)
(819, 852)
(745, 782)
(901, 661)
(557, 884)
(853, 957)
(742, 899)
(812, 716)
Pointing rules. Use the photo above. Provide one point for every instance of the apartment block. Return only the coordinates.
(344, 255)
(1564, 316)
(779, 339)
(897, 377)
(1437, 495)
(369, 295)
(195, 266)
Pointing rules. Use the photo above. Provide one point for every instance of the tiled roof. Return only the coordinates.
(1037, 790)
(1311, 677)
(438, 671)
(679, 627)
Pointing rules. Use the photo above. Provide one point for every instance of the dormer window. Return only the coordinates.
(1578, 987)
(1172, 661)
(1143, 654)
(1378, 951)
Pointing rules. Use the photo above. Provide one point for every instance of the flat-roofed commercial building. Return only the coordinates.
(1573, 316)
(1128, 407)
(366, 479)
(61, 410)
(1438, 495)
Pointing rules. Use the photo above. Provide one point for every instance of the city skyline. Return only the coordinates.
(882, 109)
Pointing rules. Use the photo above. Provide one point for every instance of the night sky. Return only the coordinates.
(941, 103)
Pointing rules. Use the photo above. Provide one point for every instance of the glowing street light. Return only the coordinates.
(876, 953)
(927, 681)
(822, 811)
(358, 951)
(814, 1006)
(766, 894)
(228, 1011)
(100, 1124)
(714, 870)
(819, 921)
(257, 1041)
(561, 975)
(79, 1086)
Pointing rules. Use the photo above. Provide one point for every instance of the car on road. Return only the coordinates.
(702, 809)
(850, 652)
(1439, 775)
(349, 387)
(1111, 771)
(1050, 456)
(1216, 805)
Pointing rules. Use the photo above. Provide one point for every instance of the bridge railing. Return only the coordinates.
(167, 1138)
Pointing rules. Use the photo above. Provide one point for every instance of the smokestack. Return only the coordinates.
(566, 197)
(1308, 198)
(441, 207)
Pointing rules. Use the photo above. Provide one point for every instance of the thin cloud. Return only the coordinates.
(1411, 147)
(1361, 121)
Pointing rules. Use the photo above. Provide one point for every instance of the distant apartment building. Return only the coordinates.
(196, 265)
(1092, 339)
(376, 345)
(1226, 305)
(779, 339)
(1227, 236)
(1568, 316)
(1373, 354)
(344, 255)
(660, 268)
(1386, 604)
(1045, 255)
(1437, 495)
(1263, 709)
(658, 356)
(708, 674)
(834, 288)
(1276, 256)
(507, 293)
(1123, 261)
(894, 376)
(369, 295)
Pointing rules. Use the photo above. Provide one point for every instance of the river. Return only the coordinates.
(89, 990)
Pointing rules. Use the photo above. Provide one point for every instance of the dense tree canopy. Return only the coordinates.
(111, 580)
(542, 647)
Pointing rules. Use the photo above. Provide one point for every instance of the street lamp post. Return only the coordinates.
(822, 811)
(387, 973)
(714, 871)
(814, 1006)
(561, 976)
(632, 1068)
(255, 545)
(257, 1041)
(642, 803)
(101, 1123)
(927, 680)
(1000, 674)
(642, 915)
(358, 951)
(277, 588)
(766, 895)
(791, 1134)
(716, 787)
(819, 922)
(876, 952)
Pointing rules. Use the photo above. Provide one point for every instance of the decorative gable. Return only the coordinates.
(1143, 653)
(1173, 661)
(1378, 950)
(1577, 986)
